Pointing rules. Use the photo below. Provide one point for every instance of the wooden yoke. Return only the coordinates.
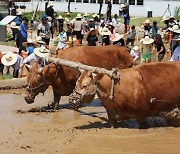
(113, 74)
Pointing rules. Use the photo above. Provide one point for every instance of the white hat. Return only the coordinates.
(60, 17)
(13, 25)
(117, 37)
(146, 40)
(147, 21)
(85, 15)
(39, 40)
(105, 31)
(136, 48)
(175, 29)
(9, 59)
(29, 41)
(42, 52)
(165, 19)
(79, 15)
(95, 15)
(92, 29)
(19, 13)
(51, 4)
(91, 19)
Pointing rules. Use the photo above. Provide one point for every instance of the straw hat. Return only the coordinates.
(164, 19)
(60, 17)
(13, 25)
(117, 37)
(39, 40)
(105, 31)
(136, 48)
(146, 40)
(85, 15)
(175, 29)
(95, 15)
(42, 52)
(147, 21)
(51, 4)
(91, 19)
(29, 41)
(79, 16)
(92, 29)
(9, 59)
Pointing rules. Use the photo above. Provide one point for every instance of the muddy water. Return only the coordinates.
(66, 131)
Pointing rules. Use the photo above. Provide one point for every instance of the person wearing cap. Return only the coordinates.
(132, 35)
(39, 55)
(124, 11)
(109, 8)
(159, 46)
(135, 53)
(77, 29)
(17, 37)
(30, 46)
(44, 30)
(118, 39)
(92, 38)
(176, 53)
(146, 49)
(13, 60)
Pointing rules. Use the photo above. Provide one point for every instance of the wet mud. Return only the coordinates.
(35, 128)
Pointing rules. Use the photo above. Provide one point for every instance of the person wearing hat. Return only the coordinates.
(92, 38)
(105, 34)
(40, 42)
(135, 53)
(44, 31)
(147, 27)
(118, 39)
(77, 29)
(30, 46)
(91, 23)
(86, 17)
(159, 46)
(146, 49)
(39, 55)
(60, 23)
(132, 35)
(175, 31)
(13, 60)
(172, 21)
(176, 53)
(62, 40)
(17, 37)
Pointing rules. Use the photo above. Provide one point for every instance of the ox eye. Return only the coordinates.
(84, 86)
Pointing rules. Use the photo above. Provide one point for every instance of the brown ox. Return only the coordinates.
(63, 79)
(142, 91)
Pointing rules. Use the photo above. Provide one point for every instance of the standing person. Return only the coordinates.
(176, 54)
(9, 7)
(147, 27)
(124, 11)
(13, 60)
(159, 45)
(154, 29)
(146, 49)
(115, 21)
(92, 38)
(24, 28)
(18, 19)
(77, 29)
(132, 34)
(100, 6)
(12, 9)
(109, 8)
(60, 23)
(1, 65)
(50, 10)
(44, 30)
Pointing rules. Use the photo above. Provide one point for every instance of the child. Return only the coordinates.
(131, 36)
(30, 46)
(154, 29)
(92, 38)
(135, 53)
(62, 40)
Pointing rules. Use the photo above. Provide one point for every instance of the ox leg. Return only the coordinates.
(113, 124)
(57, 97)
(142, 122)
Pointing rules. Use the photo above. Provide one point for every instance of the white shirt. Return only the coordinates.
(32, 58)
(16, 66)
(135, 54)
(176, 54)
(115, 22)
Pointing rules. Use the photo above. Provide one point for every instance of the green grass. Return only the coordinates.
(6, 77)
(10, 43)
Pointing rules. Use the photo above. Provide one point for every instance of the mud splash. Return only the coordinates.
(26, 128)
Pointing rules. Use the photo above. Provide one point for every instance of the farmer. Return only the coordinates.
(176, 53)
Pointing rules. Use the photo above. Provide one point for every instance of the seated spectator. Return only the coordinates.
(118, 39)
(92, 38)
(132, 34)
(30, 46)
(105, 33)
(176, 53)
(62, 40)
(13, 60)
(40, 42)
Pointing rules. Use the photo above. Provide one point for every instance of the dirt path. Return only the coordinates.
(70, 132)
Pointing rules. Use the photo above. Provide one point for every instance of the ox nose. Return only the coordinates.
(29, 99)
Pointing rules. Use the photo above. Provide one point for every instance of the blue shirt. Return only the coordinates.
(30, 49)
(24, 30)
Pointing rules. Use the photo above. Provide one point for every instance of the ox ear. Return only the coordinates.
(98, 77)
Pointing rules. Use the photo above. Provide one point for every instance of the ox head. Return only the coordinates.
(85, 90)
(36, 83)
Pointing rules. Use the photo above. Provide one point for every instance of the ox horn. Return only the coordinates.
(28, 66)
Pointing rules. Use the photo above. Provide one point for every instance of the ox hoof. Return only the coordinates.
(54, 106)
(113, 124)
